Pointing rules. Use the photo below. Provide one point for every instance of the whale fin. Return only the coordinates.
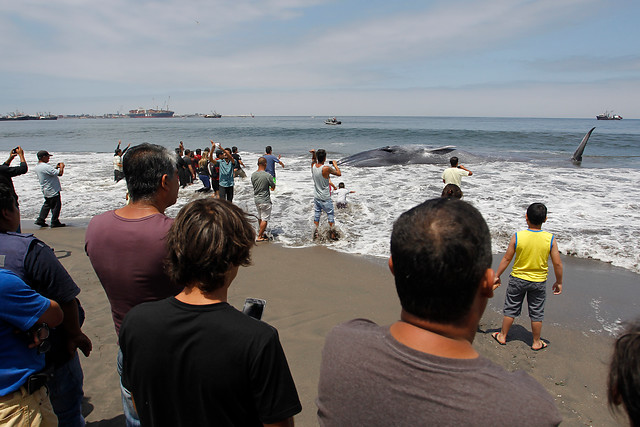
(577, 156)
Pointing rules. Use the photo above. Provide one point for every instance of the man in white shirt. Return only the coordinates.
(454, 174)
(50, 184)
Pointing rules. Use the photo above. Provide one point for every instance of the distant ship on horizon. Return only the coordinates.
(608, 116)
(141, 112)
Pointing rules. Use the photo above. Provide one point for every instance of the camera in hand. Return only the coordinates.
(254, 307)
(14, 151)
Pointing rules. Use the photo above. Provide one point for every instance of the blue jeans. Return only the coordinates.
(130, 414)
(65, 392)
(323, 205)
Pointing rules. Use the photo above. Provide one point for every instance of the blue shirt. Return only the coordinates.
(48, 177)
(226, 173)
(20, 308)
(271, 164)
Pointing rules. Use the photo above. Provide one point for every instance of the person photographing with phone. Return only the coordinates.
(322, 197)
(50, 184)
(193, 359)
(454, 174)
(7, 172)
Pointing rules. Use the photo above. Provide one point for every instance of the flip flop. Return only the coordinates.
(495, 337)
(544, 345)
(264, 239)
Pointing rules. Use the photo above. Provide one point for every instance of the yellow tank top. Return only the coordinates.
(532, 255)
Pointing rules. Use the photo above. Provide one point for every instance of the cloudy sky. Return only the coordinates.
(523, 58)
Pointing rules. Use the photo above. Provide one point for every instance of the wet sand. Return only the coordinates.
(308, 291)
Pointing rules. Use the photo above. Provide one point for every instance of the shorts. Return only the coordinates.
(536, 293)
(264, 211)
(323, 205)
(215, 184)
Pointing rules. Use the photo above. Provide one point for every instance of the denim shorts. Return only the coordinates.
(536, 293)
(323, 205)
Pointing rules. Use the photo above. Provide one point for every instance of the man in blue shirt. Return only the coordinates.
(226, 165)
(23, 395)
(271, 162)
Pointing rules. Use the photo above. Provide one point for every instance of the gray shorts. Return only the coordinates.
(264, 211)
(536, 293)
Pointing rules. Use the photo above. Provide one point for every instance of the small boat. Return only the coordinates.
(608, 116)
(213, 115)
(332, 121)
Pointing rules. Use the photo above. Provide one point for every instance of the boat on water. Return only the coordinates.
(142, 113)
(20, 117)
(608, 116)
(213, 115)
(332, 121)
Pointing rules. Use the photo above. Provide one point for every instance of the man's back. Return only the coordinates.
(454, 176)
(128, 256)
(204, 365)
(271, 163)
(262, 182)
(369, 378)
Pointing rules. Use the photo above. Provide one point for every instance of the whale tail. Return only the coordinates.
(577, 156)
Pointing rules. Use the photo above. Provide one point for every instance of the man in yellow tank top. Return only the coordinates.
(531, 248)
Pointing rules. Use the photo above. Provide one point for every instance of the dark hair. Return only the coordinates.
(262, 161)
(451, 191)
(187, 152)
(117, 152)
(453, 161)
(234, 149)
(208, 237)
(321, 155)
(440, 251)
(341, 185)
(267, 149)
(537, 213)
(198, 151)
(624, 374)
(143, 166)
(7, 197)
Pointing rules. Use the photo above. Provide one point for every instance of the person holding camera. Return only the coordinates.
(322, 197)
(50, 184)
(7, 171)
(454, 174)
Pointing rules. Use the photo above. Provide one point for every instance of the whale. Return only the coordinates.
(399, 155)
(577, 156)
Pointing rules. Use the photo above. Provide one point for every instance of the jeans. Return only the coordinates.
(226, 193)
(323, 205)
(53, 204)
(65, 392)
(130, 414)
(206, 180)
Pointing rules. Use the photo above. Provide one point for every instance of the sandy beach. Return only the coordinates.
(308, 291)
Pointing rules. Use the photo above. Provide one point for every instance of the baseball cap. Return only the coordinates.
(43, 153)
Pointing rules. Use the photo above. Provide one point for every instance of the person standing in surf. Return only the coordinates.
(454, 174)
(271, 162)
(531, 248)
(322, 198)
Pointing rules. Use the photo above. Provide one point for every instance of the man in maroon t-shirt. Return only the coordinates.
(127, 246)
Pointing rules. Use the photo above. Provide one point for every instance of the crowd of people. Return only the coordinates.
(186, 357)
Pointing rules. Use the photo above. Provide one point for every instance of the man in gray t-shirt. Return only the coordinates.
(50, 185)
(263, 183)
(423, 369)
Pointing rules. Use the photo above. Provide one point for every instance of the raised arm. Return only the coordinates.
(463, 168)
(280, 161)
(313, 157)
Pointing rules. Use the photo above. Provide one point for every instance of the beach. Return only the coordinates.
(310, 290)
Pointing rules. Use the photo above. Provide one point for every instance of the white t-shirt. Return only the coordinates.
(454, 176)
(116, 160)
(341, 195)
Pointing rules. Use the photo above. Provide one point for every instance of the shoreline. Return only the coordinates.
(306, 296)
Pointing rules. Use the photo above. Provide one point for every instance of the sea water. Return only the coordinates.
(594, 208)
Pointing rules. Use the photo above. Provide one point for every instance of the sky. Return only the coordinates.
(494, 58)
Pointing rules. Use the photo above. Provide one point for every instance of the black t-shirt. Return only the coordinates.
(189, 365)
(237, 159)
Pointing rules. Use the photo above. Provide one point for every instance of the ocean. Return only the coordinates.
(594, 208)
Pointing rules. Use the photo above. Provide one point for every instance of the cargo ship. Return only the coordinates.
(140, 113)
